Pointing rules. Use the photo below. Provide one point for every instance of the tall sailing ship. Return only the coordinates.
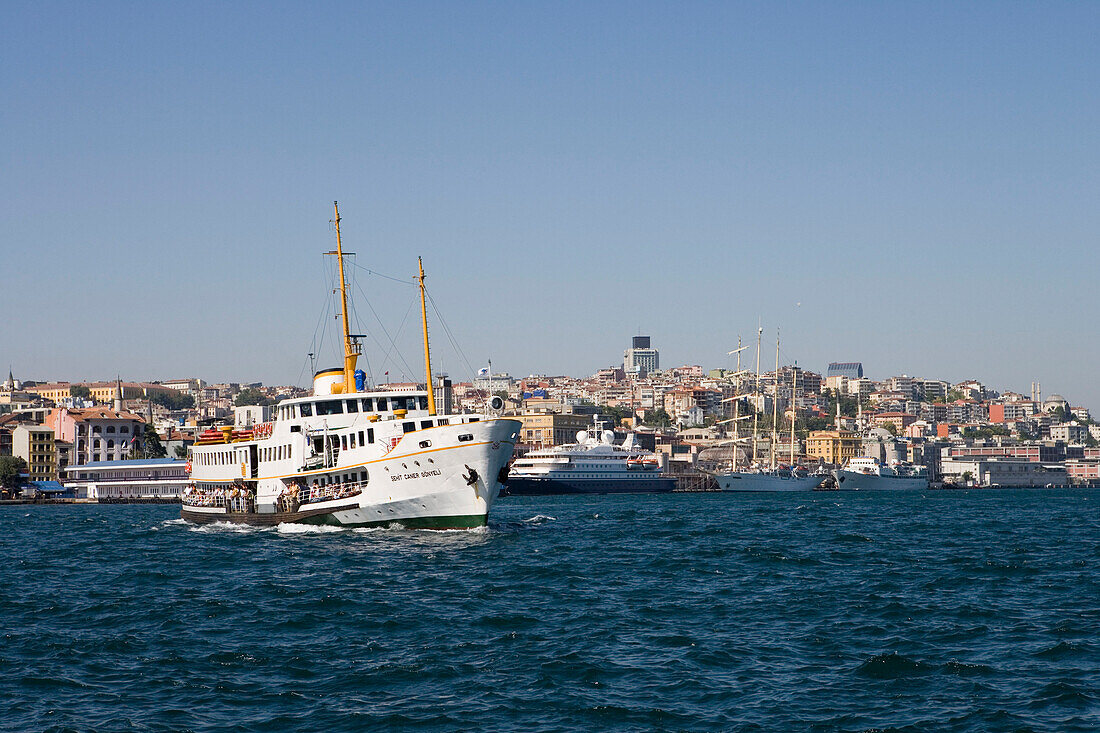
(776, 478)
(353, 457)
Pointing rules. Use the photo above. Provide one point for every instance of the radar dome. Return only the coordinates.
(607, 437)
(582, 436)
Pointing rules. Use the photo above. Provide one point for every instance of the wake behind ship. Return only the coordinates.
(350, 457)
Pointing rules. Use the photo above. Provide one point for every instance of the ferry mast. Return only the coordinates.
(351, 344)
(427, 351)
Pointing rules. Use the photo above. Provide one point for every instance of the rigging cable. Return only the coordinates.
(450, 335)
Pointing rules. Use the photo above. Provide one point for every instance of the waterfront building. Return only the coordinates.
(641, 358)
(1003, 472)
(153, 478)
(1084, 470)
(833, 446)
(552, 428)
(97, 434)
(35, 445)
(1034, 452)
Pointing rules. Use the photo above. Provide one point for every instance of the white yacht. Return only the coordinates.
(351, 457)
(782, 478)
(866, 473)
(592, 465)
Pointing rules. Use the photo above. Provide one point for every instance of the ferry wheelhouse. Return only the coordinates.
(352, 457)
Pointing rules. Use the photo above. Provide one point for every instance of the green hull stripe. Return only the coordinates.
(465, 521)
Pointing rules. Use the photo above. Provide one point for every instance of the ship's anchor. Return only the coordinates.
(471, 477)
(502, 476)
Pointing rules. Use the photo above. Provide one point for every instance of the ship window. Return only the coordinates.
(474, 419)
(343, 442)
(408, 427)
(368, 404)
(465, 438)
(425, 424)
(423, 403)
(329, 407)
(361, 441)
(370, 435)
(307, 409)
(425, 444)
(352, 405)
(351, 440)
(383, 404)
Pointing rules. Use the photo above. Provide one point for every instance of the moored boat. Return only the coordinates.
(868, 473)
(592, 465)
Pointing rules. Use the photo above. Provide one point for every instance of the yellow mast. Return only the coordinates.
(427, 351)
(351, 349)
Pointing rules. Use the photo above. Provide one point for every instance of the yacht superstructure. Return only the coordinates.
(592, 465)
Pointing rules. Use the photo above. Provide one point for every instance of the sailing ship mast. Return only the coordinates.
(775, 403)
(756, 390)
(736, 411)
(351, 343)
(794, 408)
(427, 351)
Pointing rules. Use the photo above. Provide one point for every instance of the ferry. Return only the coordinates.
(353, 457)
(867, 473)
(592, 465)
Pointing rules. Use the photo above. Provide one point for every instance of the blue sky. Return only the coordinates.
(914, 186)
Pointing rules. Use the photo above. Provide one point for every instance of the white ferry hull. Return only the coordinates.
(766, 483)
(415, 489)
(855, 481)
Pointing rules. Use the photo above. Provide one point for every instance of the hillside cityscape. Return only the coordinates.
(63, 436)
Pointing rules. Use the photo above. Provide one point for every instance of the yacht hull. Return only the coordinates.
(855, 481)
(527, 486)
(766, 483)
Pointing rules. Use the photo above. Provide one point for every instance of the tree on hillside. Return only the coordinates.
(617, 413)
(251, 396)
(12, 470)
(173, 401)
(80, 391)
(657, 418)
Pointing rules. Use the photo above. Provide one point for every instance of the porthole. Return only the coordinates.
(425, 444)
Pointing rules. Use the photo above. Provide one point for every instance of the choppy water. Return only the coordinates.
(825, 612)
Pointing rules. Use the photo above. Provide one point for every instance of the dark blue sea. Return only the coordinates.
(949, 611)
